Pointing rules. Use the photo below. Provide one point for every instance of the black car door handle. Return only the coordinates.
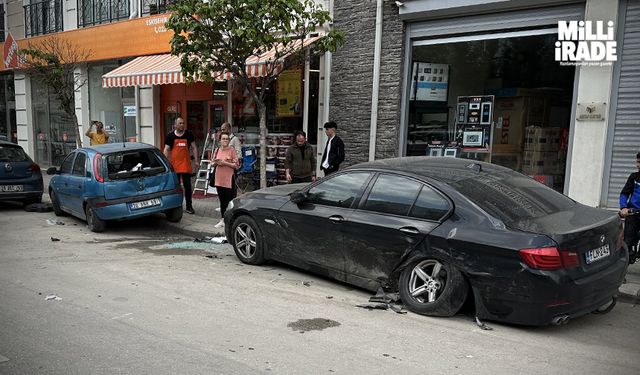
(409, 230)
(336, 219)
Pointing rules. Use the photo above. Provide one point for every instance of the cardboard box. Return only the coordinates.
(541, 162)
(542, 139)
(513, 114)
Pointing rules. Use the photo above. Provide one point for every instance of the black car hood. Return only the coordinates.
(280, 190)
(576, 220)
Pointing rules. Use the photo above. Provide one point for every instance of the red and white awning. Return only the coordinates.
(165, 69)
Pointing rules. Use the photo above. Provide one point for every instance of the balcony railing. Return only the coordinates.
(95, 12)
(150, 7)
(44, 17)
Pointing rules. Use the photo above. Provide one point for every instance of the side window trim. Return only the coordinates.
(450, 204)
(73, 167)
(72, 157)
(372, 184)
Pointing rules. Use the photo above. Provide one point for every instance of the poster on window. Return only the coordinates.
(430, 82)
(288, 97)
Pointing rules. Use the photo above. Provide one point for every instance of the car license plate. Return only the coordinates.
(145, 204)
(11, 188)
(597, 254)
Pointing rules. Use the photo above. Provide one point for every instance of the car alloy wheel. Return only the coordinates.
(245, 240)
(427, 281)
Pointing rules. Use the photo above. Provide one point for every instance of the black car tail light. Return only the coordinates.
(97, 170)
(549, 258)
(34, 168)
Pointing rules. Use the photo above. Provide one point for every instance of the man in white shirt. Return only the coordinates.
(333, 154)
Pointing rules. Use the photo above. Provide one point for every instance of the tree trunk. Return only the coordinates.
(262, 116)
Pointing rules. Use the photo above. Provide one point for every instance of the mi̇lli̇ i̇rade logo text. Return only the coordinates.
(585, 43)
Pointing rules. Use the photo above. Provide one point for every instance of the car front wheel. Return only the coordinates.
(432, 287)
(55, 203)
(247, 241)
(94, 223)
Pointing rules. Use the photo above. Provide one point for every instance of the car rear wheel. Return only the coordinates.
(247, 241)
(94, 223)
(432, 287)
(174, 215)
(55, 203)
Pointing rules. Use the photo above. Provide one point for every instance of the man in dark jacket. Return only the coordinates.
(300, 161)
(630, 199)
(333, 154)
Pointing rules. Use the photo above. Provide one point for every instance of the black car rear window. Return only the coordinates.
(512, 197)
(12, 154)
(134, 163)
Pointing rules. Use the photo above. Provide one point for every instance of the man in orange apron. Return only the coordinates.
(180, 148)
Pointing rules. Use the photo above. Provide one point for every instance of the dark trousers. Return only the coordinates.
(225, 195)
(329, 170)
(297, 180)
(186, 185)
(631, 227)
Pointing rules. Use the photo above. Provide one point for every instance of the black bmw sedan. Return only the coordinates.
(440, 231)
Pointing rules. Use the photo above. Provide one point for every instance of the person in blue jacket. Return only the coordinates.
(630, 200)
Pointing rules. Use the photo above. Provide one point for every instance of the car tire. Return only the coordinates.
(55, 203)
(432, 287)
(94, 223)
(248, 242)
(174, 215)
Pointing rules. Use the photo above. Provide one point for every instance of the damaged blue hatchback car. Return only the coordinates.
(115, 181)
(441, 232)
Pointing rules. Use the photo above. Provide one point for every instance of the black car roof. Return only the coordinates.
(443, 169)
(7, 143)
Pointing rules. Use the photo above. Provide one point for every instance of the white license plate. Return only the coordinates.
(597, 254)
(145, 204)
(11, 188)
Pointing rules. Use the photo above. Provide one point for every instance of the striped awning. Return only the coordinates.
(165, 69)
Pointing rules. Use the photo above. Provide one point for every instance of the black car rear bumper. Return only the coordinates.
(537, 298)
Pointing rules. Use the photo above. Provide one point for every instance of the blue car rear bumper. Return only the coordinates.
(121, 209)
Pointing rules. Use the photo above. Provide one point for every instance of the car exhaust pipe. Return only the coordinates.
(560, 320)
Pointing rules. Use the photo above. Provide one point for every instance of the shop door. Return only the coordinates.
(129, 129)
(626, 136)
(197, 121)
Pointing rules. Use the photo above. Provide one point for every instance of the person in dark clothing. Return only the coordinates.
(300, 161)
(333, 154)
(630, 199)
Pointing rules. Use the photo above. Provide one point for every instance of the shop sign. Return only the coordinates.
(288, 94)
(587, 43)
(129, 111)
(591, 111)
(157, 23)
(10, 56)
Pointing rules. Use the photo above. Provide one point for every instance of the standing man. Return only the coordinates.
(630, 199)
(180, 148)
(300, 160)
(333, 154)
(98, 137)
(234, 141)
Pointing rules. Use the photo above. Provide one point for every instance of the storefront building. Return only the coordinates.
(134, 86)
(480, 80)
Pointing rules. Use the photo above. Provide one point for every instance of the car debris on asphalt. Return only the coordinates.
(52, 297)
(53, 221)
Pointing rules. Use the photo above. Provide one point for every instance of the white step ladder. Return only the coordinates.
(202, 177)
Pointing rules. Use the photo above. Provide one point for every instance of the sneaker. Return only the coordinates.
(190, 210)
(220, 224)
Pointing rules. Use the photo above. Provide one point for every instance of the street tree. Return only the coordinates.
(216, 37)
(56, 62)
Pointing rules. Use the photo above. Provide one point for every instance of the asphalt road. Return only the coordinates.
(139, 300)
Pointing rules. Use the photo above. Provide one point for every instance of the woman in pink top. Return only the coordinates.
(226, 161)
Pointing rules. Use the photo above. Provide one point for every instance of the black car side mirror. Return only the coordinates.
(52, 170)
(298, 197)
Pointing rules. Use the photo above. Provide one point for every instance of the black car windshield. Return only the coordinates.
(134, 163)
(12, 153)
(512, 197)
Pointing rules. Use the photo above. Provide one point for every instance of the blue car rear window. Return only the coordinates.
(12, 154)
(134, 163)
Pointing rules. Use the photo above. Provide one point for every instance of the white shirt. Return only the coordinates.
(325, 162)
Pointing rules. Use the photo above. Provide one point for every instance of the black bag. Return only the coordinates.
(212, 173)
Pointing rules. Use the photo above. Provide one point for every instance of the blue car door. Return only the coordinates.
(76, 183)
(60, 183)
